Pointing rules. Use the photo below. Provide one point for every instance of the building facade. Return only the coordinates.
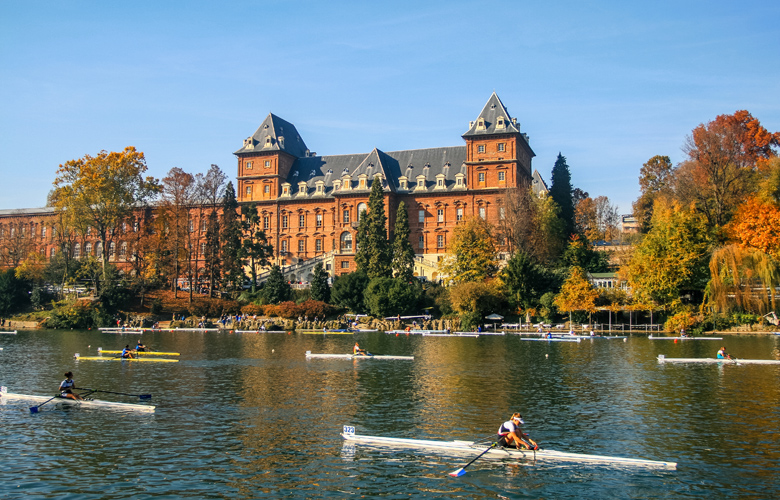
(310, 205)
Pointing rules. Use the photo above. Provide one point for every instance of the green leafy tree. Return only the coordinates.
(348, 290)
(672, 258)
(472, 252)
(276, 289)
(373, 251)
(561, 193)
(13, 293)
(320, 289)
(230, 240)
(392, 296)
(473, 300)
(101, 192)
(525, 280)
(580, 254)
(255, 248)
(403, 253)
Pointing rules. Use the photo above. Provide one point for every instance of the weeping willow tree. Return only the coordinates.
(742, 279)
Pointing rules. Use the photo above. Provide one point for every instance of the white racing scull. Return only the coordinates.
(94, 403)
(460, 447)
(663, 359)
(309, 355)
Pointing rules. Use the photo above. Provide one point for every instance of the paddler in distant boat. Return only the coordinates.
(127, 353)
(357, 351)
(722, 354)
(140, 347)
(511, 436)
(67, 386)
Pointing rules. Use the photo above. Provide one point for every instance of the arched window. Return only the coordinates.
(88, 249)
(99, 249)
(123, 250)
(111, 250)
(362, 207)
(77, 251)
(346, 241)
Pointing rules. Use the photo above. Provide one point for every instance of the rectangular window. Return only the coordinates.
(318, 245)
(481, 148)
(191, 225)
(266, 222)
(249, 191)
(440, 215)
(284, 222)
(135, 226)
(345, 264)
(267, 189)
(301, 221)
(203, 249)
(459, 214)
(440, 241)
(501, 213)
(43, 232)
(482, 177)
(319, 220)
(421, 242)
(267, 164)
(301, 246)
(249, 165)
(482, 212)
(345, 216)
(502, 176)
(421, 216)
(501, 146)
(284, 246)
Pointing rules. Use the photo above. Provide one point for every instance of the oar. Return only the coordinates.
(34, 409)
(462, 470)
(142, 396)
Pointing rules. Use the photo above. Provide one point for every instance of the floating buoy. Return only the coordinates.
(546, 355)
(289, 333)
(273, 350)
(624, 340)
(675, 341)
(396, 334)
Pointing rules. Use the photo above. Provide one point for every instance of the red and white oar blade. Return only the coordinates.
(458, 472)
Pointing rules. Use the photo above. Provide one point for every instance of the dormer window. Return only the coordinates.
(362, 182)
(420, 183)
(403, 182)
(346, 183)
(460, 181)
(319, 187)
(285, 189)
(268, 142)
(302, 188)
(481, 124)
(440, 182)
(500, 122)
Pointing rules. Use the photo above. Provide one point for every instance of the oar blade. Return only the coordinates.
(145, 396)
(458, 472)
(33, 409)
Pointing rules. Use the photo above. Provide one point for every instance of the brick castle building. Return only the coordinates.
(310, 205)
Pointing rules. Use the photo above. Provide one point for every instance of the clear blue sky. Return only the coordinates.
(608, 84)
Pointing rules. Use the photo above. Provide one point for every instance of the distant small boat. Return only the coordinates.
(7, 332)
(259, 331)
(553, 339)
(134, 331)
(684, 338)
(118, 358)
(140, 353)
(309, 355)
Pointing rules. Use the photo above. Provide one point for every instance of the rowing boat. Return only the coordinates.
(140, 353)
(664, 359)
(416, 331)
(134, 331)
(7, 332)
(259, 331)
(309, 355)
(473, 447)
(453, 334)
(554, 339)
(326, 332)
(117, 358)
(88, 403)
(684, 338)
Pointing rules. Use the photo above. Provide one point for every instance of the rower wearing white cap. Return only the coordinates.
(510, 434)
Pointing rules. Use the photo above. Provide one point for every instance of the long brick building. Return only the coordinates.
(310, 205)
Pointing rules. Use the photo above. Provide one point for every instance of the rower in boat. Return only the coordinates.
(511, 436)
(357, 351)
(140, 347)
(722, 354)
(67, 386)
(127, 353)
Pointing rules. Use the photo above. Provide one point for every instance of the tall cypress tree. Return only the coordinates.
(276, 288)
(561, 193)
(232, 269)
(320, 289)
(373, 253)
(403, 253)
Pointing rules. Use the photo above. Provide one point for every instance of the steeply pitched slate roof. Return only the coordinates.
(428, 162)
(283, 134)
(538, 184)
(493, 109)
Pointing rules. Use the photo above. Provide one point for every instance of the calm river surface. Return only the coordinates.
(247, 416)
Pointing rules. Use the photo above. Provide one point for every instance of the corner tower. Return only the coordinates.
(265, 159)
(497, 153)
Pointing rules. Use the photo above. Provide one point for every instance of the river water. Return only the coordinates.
(247, 416)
